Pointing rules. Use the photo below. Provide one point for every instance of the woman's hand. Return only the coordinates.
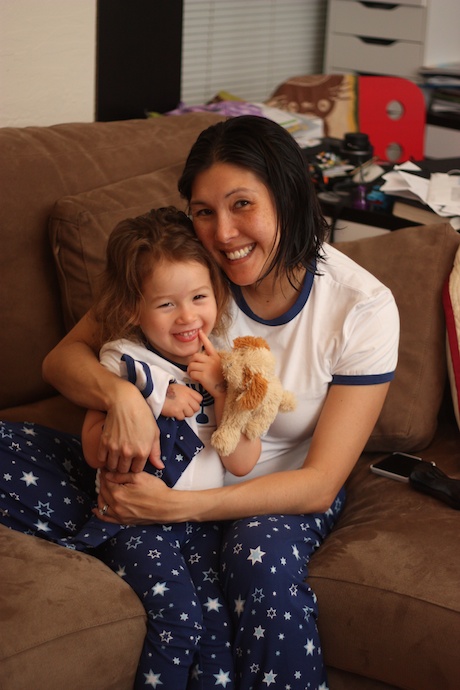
(135, 499)
(130, 436)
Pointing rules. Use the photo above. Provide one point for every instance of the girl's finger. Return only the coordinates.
(120, 477)
(208, 346)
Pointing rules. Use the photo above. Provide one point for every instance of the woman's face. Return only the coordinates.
(178, 301)
(235, 218)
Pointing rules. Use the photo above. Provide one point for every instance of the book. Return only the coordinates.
(441, 82)
(448, 69)
(417, 212)
(445, 101)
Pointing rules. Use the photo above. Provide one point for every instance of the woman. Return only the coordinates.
(334, 331)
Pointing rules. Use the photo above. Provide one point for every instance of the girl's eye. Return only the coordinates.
(197, 297)
(164, 305)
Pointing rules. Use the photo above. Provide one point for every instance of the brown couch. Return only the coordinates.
(387, 579)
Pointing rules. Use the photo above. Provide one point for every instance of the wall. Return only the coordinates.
(47, 61)
(48, 53)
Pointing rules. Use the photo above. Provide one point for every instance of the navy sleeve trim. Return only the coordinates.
(366, 380)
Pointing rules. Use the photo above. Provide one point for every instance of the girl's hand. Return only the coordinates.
(181, 401)
(206, 368)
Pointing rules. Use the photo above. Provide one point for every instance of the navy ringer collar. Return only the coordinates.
(290, 313)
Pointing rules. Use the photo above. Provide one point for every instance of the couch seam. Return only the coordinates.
(82, 629)
(381, 589)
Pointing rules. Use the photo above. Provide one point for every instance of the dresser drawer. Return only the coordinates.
(411, 3)
(378, 21)
(352, 53)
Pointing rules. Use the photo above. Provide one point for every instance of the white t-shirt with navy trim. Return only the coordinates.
(343, 329)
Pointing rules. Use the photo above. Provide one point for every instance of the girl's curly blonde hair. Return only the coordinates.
(134, 247)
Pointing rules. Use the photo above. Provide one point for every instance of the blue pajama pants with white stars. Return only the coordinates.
(48, 490)
(174, 570)
(264, 566)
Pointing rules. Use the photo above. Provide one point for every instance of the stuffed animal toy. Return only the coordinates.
(254, 393)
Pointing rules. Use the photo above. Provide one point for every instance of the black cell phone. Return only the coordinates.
(396, 466)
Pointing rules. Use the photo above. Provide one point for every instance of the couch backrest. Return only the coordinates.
(40, 166)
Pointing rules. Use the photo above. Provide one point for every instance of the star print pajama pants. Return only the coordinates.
(47, 490)
(264, 566)
(174, 569)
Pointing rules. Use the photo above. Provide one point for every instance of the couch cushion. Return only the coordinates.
(80, 225)
(387, 579)
(56, 412)
(67, 621)
(414, 264)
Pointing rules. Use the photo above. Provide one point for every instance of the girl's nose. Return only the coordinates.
(186, 315)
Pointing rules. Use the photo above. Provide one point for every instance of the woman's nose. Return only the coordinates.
(224, 229)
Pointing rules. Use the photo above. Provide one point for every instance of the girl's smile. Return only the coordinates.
(178, 302)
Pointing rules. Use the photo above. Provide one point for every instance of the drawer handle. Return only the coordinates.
(377, 41)
(379, 5)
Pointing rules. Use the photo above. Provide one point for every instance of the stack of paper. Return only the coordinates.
(441, 192)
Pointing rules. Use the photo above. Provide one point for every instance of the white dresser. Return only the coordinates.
(392, 38)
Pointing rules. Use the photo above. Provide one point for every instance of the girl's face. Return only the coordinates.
(235, 218)
(178, 301)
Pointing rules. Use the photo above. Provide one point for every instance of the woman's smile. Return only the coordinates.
(240, 253)
(234, 217)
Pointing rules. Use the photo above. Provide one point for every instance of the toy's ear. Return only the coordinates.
(250, 341)
(255, 389)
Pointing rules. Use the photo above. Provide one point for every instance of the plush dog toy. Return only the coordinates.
(254, 393)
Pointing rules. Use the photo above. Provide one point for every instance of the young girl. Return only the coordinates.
(160, 298)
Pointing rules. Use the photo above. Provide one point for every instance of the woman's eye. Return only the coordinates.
(242, 203)
(202, 213)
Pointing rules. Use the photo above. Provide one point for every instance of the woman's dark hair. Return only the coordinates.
(134, 247)
(272, 154)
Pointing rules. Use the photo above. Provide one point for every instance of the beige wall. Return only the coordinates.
(47, 57)
(47, 61)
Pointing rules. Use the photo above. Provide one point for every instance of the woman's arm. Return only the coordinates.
(72, 367)
(93, 425)
(346, 422)
(130, 431)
